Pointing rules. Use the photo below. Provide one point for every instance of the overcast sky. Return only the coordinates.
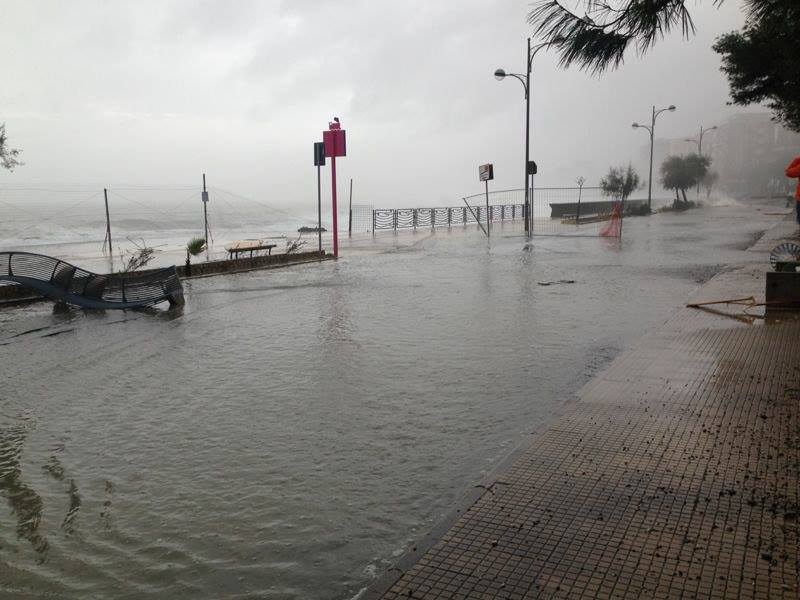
(156, 92)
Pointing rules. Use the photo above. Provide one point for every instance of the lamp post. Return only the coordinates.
(699, 142)
(525, 80)
(651, 128)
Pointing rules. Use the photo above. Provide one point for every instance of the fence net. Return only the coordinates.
(556, 211)
(361, 218)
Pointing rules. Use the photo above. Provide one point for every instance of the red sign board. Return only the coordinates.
(334, 140)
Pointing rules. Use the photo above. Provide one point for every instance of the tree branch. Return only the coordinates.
(600, 38)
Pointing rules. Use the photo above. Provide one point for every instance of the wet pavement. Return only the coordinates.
(674, 474)
(290, 433)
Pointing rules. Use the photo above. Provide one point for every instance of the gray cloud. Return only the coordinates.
(157, 92)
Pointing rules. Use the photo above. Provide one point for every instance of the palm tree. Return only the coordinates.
(193, 247)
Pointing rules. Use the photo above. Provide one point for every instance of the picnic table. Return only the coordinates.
(234, 249)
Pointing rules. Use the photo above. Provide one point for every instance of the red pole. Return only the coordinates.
(335, 214)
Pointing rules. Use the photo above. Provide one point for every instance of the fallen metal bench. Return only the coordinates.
(61, 281)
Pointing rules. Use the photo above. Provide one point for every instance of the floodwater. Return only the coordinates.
(289, 433)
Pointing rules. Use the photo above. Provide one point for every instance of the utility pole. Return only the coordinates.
(650, 176)
(525, 80)
(699, 142)
(108, 229)
(651, 130)
(205, 212)
(528, 203)
(350, 222)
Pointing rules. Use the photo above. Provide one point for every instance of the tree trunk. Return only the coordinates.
(685, 201)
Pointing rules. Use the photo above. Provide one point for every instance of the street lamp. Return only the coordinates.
(651, 128)
(699, 142)
(525, 80)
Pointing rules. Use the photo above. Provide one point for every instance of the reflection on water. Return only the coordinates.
(74, 506)
(105, 514)
(288, 433)
(24, 501)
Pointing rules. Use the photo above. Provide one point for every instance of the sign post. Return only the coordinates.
(205, 212)
(532, 170)
(319, 162)
(486, 174)
(334, 141)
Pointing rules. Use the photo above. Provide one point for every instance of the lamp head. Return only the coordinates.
(635, 125)
(499, 74)
(710, 128)
(671, 108)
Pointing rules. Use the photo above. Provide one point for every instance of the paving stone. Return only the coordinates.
(675, 474)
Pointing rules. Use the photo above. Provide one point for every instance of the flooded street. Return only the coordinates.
(290, 432)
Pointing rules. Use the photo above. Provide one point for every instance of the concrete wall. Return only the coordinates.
(589, 208)
(237, 265)
(15, 293)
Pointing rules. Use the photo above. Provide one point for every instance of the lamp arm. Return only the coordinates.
(536, 49)
(520, 79)
(658, 112)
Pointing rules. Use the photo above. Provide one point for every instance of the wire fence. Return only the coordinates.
(70, 221)
(360, 218)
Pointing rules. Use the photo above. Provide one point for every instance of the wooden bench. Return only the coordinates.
(236, 248)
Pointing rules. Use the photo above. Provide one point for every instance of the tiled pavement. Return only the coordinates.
(674, 475)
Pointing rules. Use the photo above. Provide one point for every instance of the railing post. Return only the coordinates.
(449, 217)
(464, 216)
(433, 218)
(373, 221)
(71, 277)
(394, 219)
(414, 217)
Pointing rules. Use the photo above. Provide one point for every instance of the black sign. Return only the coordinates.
(319, 154)
(532, 168)
(486, 172)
